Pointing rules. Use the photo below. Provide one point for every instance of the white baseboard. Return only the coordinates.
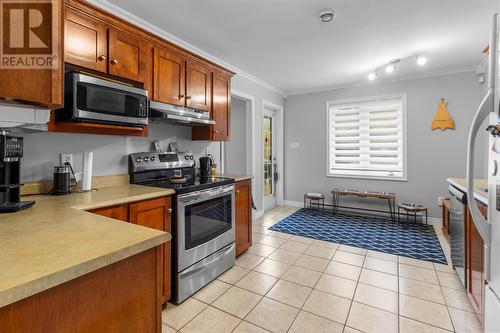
(431, 220)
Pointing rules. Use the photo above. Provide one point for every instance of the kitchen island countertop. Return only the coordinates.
(480, 186)
(57, 240)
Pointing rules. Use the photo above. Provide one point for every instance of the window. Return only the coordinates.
(366, 138)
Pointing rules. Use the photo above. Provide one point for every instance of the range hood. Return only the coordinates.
(179, 115)
(14, 115)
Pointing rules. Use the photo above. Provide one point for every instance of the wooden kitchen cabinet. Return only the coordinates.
(127, 55)
(169, 77)
(243, 215)
(92, 44)
(475, 265)
(121, 297)
(115, 212)
(85, 41)
(179, 81)
(157, 214)
(221, 111)
(38, 85)
(198, 86)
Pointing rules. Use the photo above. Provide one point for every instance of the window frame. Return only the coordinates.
(403, 98)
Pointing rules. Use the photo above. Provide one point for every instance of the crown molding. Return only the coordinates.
(113, 9)
(383, 81)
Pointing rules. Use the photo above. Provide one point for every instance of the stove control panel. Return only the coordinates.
(163, 160)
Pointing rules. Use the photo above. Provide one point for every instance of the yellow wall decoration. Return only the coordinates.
(443, 119)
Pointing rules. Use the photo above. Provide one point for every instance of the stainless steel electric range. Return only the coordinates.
(204, 218)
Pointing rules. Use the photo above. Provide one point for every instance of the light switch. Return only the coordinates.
(294, 145)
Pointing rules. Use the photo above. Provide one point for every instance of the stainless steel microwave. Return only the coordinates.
(95, 100)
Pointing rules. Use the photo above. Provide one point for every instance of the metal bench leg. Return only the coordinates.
(426, 217)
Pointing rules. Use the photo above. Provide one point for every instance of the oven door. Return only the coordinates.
(205, 224)
(104, 101)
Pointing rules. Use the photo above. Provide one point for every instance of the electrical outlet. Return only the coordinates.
(440, 201)
(67, 158)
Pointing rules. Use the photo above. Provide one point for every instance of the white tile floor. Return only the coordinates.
(288, 283)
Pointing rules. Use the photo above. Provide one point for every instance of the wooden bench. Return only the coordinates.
(390, 197)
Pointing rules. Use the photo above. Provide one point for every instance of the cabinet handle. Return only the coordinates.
(169, 210)
(237, 191)
(188, 97)
(113, 61)
(181, 96)
(216, 131)
(102, 58)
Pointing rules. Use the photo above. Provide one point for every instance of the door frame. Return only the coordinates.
(250, 136)
(278, 109)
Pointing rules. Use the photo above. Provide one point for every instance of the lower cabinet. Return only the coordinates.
(156, 214)
(475, 265)
(116, 212)
(243, 216)
(121, 297)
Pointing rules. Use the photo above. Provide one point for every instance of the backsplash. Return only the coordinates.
(41, 150)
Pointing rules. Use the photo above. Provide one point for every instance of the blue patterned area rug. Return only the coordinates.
(373, 233)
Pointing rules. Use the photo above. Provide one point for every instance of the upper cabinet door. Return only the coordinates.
(169, 72)
(221, 107)
(85, 41)
(198, 86)
(127, 56)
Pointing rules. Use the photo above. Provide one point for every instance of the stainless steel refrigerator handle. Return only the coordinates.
(486, 107)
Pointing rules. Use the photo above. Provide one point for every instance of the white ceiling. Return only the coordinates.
(283, 43)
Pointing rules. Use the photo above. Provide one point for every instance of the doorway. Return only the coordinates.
(269, 159)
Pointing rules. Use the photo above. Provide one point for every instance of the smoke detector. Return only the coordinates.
(327, 15)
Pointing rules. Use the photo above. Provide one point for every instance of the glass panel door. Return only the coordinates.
(269, 158)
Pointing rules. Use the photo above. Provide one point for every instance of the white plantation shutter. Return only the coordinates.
(366, 138)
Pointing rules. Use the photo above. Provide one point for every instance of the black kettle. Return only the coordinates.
(206, 166)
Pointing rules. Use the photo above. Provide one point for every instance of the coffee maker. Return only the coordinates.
(11, 151)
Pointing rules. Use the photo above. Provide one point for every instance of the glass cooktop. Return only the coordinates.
(191, 184)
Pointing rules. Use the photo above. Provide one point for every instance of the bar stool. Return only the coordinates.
(412, 208)
(318, 198)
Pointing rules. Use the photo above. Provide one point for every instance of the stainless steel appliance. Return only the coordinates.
(180, 115)
(458, 201)
(489, 228)
(204, 217)
(11, 151)
(91, 99)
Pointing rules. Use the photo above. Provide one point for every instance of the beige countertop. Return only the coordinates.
(480, 185)
(57, 240)
(237, 178)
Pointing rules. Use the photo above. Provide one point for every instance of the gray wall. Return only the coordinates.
(41, 150)
(235, 150)
(433, 156)
(259, 93)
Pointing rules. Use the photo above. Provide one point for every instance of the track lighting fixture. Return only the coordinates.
(391, 66)
(421, 60)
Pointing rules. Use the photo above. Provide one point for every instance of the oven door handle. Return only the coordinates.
(207, 194)
(203, 265)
